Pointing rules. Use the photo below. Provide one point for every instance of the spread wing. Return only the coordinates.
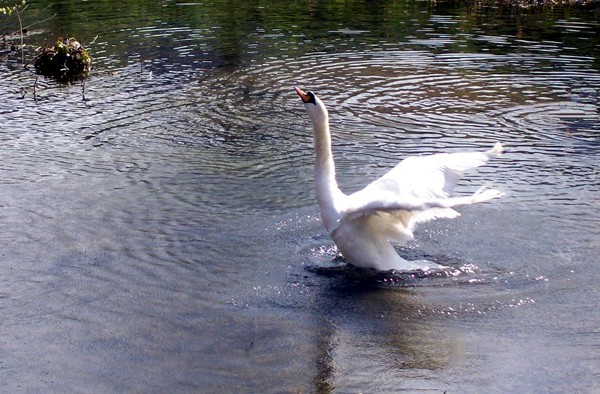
(418, 189)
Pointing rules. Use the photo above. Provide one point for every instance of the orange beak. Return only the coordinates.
(305, 97)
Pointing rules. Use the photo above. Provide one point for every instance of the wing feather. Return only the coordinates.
(422, 183)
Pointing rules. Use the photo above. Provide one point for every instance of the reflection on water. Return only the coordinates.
(159, 228)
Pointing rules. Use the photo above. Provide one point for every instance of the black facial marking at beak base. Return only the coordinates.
(307, 97)
(311, 98)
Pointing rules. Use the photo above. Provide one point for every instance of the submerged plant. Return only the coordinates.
(67, 60)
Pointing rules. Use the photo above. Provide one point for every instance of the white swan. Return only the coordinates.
(416, 190)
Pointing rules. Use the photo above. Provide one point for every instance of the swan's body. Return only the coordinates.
(417, 190)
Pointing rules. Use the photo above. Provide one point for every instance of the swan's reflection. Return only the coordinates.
(370, 333)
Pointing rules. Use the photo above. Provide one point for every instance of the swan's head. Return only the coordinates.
(314, 106)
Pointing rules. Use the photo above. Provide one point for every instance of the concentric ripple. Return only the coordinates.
(159, 226)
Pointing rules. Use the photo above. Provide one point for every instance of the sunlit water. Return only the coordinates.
(159, 229)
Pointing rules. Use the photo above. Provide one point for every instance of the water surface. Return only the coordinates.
(159, 229)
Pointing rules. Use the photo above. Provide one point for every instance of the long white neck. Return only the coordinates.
(328, 194)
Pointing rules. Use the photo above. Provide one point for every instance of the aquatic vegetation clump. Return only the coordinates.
(67, 60)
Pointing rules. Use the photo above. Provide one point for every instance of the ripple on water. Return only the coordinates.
(138, 207)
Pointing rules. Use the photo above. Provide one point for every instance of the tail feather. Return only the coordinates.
(485, 194)
(496, 151)
(481, 195)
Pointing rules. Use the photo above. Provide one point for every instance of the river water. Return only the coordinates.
(159, 231)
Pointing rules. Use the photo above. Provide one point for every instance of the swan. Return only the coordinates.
(417, 190)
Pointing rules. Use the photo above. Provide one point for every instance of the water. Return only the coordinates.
(159, 229)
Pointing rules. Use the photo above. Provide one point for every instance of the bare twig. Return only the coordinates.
(38, 22)
(21, 33)
(35, 88)
(83, 90)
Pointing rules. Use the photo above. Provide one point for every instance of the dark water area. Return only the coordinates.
(159, 231)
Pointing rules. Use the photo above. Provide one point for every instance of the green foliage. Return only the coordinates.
(8, 9)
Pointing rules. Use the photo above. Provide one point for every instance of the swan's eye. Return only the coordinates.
(311, 97)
